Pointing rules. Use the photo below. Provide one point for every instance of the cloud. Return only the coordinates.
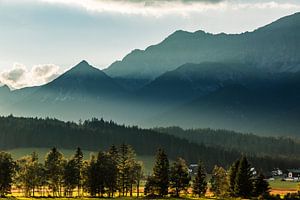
(20, 76)
(163, 7)
(44, 73)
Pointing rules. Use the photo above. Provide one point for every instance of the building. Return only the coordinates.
(193, 169)
(293, 174)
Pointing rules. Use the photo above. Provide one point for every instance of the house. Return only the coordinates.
(193, 169)
(277, 172)
(293, 174)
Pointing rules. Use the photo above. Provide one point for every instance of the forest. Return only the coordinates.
(98, 134)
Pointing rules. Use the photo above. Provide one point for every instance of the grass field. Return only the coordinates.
(283, 187)
(277, 186)
(148, 161)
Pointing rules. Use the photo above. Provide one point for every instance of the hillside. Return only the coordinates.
(230, 140)
(98, 135)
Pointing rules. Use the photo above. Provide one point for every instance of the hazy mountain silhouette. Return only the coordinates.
(275, 47)
(245, 82)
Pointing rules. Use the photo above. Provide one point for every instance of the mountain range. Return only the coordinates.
(248, 82)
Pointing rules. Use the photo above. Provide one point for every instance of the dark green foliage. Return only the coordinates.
(243, 181)
(150, 186)
(161, 173)
(199, 183)
(179, 177)
(113, 170)
(246, 143)
(70, 178)
(260, 186)
(232, 176)
(219, 182)
(78, 159)
(97, 133)
(54, 166)
(7, 166)
(30, 174)
(90, 176)
(126, 164)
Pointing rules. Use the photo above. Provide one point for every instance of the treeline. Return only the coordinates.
(98, 134)
(240, 180)
(117, 172)
(246, 143)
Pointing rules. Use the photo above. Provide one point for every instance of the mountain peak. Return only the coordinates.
(4, 88)
(83, 67)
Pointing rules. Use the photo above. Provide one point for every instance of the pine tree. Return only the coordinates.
(29, 174)
(126, 162)
(232, 176)
(260, 186)
(219, 182)
(70, 177)
(199, 183)
(161, 173)
(78, 158)
(90, 173)
(54, 165)
(243, 181)
(7, 167)
(179, 176)
(113, 170)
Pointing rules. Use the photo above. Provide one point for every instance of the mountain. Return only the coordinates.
(263, 110)
(190, 81)
(275, 47)
(81, 92)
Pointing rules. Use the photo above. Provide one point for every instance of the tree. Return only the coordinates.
(54, 165)
(29, 174)
(125, 164)
(161, 173)
(150, 186)
(70, 177)
(243, 181)
(102, 175)
(78, 159)
(219, 182)
(232, 176)
(7, 167)
(199, 183)
(90, 176)
(113, 170)
(260, 186)
(138, 174)
(179, 176)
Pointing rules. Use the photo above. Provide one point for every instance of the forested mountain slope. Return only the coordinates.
(99, 135)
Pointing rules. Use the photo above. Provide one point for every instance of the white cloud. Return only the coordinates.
(20, 76)
(165, 7)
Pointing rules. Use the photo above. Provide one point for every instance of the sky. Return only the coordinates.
(40, 39)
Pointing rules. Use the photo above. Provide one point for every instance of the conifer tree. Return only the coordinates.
(90, 173)
(78, 159)
(219, 182)
(7, 167)
(54, 166)
(179, 176)
(243, 181)
(113, 170)
(199, 183)
(260, 186)
(69, 177)
(161, 173)
(232, 177)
